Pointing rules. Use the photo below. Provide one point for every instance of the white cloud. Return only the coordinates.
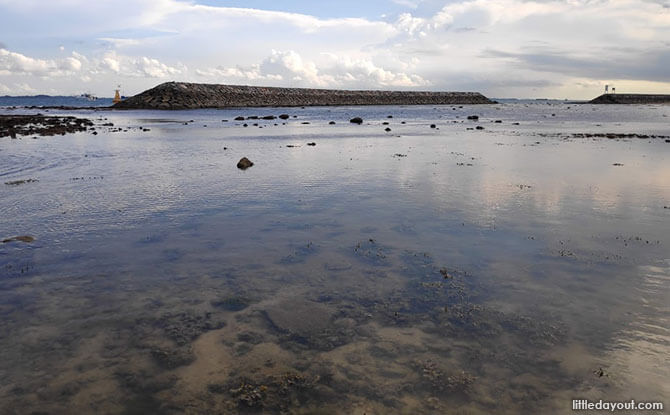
(17, 63)
(17, 89)
(288, 68)
(137, 67)
(111, 63)
(13, 64)
(152, 68)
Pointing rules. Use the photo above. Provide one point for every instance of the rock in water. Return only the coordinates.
(356, 120)
(301, 317)
(244, 163)
(22, 238)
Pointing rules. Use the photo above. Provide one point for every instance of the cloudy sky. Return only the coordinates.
(502, 48)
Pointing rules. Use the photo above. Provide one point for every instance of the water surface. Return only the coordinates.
(422, 270)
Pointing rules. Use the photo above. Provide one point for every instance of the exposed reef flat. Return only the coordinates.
(631, 99)
(178, 95)
(13, 125)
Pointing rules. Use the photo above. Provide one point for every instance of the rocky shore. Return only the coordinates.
(631, 99)
(178, 95)
(13, 125)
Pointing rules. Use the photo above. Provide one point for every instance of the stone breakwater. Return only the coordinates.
(631, 99)
(177, 95)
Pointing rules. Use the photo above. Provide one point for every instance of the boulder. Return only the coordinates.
(244, 163)
(356, 120)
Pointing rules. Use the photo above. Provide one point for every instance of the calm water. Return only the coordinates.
(506, 270)
(49, 100)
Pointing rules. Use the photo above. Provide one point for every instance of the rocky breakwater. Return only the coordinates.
(178, 95)
(631, 99)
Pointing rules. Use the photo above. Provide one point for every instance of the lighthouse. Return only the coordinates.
(117, 95)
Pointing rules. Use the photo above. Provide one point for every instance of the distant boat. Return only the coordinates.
(88, 97)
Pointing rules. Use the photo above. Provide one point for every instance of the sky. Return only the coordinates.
(562, 49)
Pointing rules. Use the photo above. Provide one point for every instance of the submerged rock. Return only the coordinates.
(173, 358)
(22, 238)
(185, 327)
(232, 303)
(300, 317)
(20, 182)
(244, 163)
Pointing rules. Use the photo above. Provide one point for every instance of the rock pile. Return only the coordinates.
(179, 95)
(631, 99)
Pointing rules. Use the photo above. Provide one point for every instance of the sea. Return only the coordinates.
(55, 101)
(419, 263)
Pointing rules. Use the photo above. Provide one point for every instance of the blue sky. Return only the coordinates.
(503, 48)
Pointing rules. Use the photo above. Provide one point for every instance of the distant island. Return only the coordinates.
(631, 99)
(181, 95)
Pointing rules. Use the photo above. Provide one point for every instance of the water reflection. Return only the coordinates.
(441, 270)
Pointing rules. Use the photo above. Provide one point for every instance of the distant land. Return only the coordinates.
(53, 101)
(180, 95)
(631, 99)
(176, 95)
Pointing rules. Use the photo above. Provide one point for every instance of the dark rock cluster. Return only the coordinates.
(179, 95)
(13, 125)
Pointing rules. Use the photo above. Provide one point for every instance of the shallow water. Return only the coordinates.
(506, 270)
